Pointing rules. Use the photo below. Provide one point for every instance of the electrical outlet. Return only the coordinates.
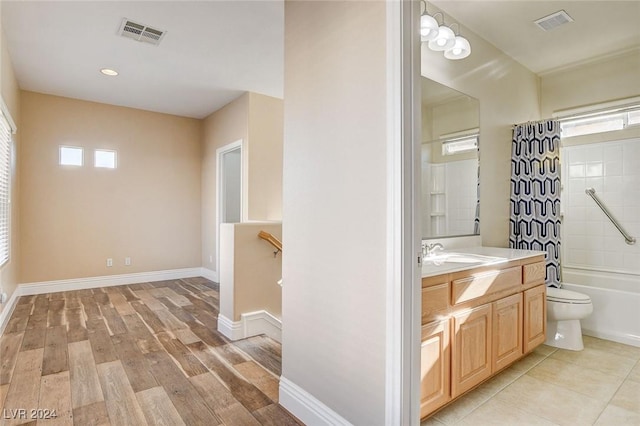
(109, 262)
(127, 261)
(210, 258)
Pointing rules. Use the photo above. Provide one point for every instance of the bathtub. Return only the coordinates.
(616, 303)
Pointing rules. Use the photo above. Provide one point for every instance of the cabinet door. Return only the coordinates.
(435, 366)
(507, 331)
(535, 317)
(471, 348)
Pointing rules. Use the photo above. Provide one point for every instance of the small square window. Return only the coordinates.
(105, 159)
(71, 156)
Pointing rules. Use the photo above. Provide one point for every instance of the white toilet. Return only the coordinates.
(565, 309)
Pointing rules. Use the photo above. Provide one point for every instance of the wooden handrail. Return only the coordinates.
(270, 239)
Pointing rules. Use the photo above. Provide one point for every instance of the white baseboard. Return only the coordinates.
(251, 324)
(231, 329)
(106, 281)
(209, 274)
(261, 322)
(306, 407)
(8, 309)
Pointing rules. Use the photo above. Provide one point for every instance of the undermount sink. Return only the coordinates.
(445, 257)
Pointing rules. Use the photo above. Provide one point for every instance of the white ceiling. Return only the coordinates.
(599, 28)
(213, 51)
(216, 50)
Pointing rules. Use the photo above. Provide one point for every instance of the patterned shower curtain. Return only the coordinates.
(535, 192)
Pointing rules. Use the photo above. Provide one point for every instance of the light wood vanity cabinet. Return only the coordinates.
(507, 331)
(535, 315)
(470, 348)
(435, 365)
(477, 322)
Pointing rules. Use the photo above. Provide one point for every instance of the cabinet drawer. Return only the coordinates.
(534, 272)
(483, 283)
(435, 299)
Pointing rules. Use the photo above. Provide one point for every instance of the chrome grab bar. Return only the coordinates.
(627, 238)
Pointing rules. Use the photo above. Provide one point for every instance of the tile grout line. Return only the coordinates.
(545, 356)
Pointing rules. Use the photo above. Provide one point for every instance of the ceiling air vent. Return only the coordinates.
(140, 32)
(554, 20)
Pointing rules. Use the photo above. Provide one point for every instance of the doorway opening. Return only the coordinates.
(229, 189)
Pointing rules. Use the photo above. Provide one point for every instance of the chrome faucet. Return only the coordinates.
(431, 249)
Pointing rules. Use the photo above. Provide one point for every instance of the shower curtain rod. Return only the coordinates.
(535, 122)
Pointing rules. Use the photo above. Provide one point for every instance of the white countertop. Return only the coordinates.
(436, 265)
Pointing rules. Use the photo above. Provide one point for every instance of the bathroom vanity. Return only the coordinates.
(483, 308)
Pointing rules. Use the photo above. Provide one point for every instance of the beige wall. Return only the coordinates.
(266, 122)
(257, 120)
(225, 126)
(613, 78)
(335, 205)
(249, 272)
(450, 117)
(9, 274)
(75, 218)
(508, 94)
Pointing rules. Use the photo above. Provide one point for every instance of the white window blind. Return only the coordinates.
(5, 185)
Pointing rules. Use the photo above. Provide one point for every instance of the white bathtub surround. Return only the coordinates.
(596, 259)
(451, 197)
(590, 240)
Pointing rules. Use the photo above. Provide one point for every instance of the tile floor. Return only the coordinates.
(597, 386)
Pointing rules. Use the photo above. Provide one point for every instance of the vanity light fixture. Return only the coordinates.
(441, 38)
(428, 25)
(460, 49)
(445, 39)
(109, 72)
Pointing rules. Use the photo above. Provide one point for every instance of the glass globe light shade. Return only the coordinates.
(428, 27)
(444, 40)
(460, 49)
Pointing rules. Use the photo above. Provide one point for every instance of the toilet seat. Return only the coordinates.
(566, 296)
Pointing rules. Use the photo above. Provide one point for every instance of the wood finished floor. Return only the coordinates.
(138, 354)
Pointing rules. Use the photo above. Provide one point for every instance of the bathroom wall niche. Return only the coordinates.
(449, 161)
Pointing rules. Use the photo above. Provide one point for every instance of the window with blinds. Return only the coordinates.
(5, 186)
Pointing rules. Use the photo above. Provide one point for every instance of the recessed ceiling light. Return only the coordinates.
(109, 72)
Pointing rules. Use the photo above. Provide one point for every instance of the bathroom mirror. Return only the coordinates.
(450, 167)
